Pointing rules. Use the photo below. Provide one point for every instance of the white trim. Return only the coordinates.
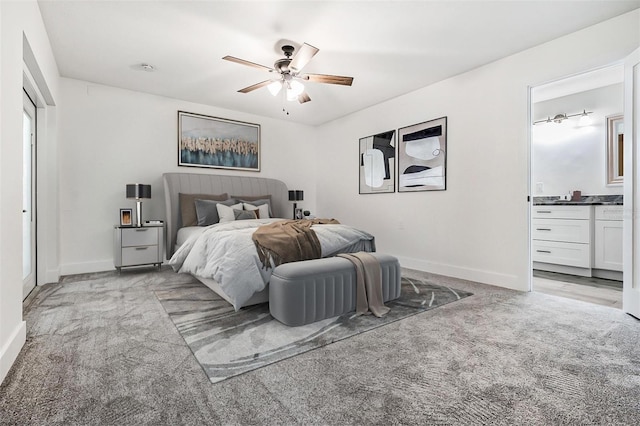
(86, 267)
(51, 276)
(9, 352)
(529, 186)
(630, 215)
(462, 272)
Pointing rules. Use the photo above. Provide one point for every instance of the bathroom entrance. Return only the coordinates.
(577, 187)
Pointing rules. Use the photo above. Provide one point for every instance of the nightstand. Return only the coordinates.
(138, 246)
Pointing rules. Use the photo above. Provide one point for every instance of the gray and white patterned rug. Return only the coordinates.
(228, 343)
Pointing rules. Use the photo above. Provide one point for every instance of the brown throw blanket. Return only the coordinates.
(368, 284)
(288, 241)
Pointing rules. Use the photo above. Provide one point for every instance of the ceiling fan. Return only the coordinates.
(290, 73)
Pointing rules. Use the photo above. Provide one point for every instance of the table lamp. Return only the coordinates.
(296, 195)
(138, 191)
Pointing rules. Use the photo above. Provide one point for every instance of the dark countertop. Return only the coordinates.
(585, 200)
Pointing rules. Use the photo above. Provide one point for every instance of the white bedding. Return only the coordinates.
(225, 252)
(184, 233)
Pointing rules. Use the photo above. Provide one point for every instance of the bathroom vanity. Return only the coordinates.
(578, 237)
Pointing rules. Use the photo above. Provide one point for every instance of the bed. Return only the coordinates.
(222, 256)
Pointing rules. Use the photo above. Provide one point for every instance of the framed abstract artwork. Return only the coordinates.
(422, 156)
(219, 143)
(377, 163)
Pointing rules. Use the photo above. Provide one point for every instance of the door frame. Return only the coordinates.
(30, 108)
(631, 228)
(530, 194)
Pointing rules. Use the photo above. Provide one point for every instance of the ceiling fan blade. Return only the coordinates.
(329, 79)
(248, 63)
(303, 97)
(302, 57)
(255, 86)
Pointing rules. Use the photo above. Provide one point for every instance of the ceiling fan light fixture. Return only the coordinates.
(294, 89)
(289, 68)
(275, 87)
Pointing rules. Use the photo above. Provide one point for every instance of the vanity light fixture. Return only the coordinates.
(585, 120)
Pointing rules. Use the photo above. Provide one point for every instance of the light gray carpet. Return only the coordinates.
(102, 350)
(228, 343)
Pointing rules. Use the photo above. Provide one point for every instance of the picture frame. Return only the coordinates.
(298, 213)
(219, 143)
(377, 163)
(126, 217)
(422, 156)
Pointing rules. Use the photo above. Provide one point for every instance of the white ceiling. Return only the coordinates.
(389, 47)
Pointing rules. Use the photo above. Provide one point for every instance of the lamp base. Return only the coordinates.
(138, 213)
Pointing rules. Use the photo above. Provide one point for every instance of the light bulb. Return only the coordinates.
(294, 90)
(297, 87)
(274, 88)
(585, 120)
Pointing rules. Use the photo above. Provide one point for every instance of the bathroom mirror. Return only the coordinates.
(615, 151)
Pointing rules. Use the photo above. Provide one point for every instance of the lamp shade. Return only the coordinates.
(296, 195)
(138, 191)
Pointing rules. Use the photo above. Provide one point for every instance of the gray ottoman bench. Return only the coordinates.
(312, 290)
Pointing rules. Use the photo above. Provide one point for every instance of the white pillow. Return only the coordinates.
(226, 213)
(263, 209)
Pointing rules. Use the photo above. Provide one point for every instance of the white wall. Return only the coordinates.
(17, 19)
(110, 137)
(566, 157)
(477, 228)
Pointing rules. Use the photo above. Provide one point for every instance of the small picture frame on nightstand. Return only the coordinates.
(126, 217)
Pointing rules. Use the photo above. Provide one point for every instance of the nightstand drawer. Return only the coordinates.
(139, 237)
(139, 255)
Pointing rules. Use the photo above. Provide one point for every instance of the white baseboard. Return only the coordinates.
(9, 352)
(498, 279)
(86, 267)
(51, 276)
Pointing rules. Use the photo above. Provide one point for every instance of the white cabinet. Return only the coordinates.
(608, 238)
(562, 237)
(136, 246)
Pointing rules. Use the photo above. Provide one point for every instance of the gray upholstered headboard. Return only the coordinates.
(195, 183)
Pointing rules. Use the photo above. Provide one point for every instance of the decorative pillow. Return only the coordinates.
(262, 211)
(257, 201)
(207, 212)
(186, 203)
(226, 213)
(244, 214)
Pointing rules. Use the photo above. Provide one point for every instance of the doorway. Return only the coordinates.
(28, 196)
(576, 212)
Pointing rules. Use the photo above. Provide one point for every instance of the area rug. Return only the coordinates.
(228, 343)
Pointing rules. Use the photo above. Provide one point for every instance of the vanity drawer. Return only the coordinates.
(139, 237)
(570, 254)
(567, 230)
(609, 212)
(562, 212)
